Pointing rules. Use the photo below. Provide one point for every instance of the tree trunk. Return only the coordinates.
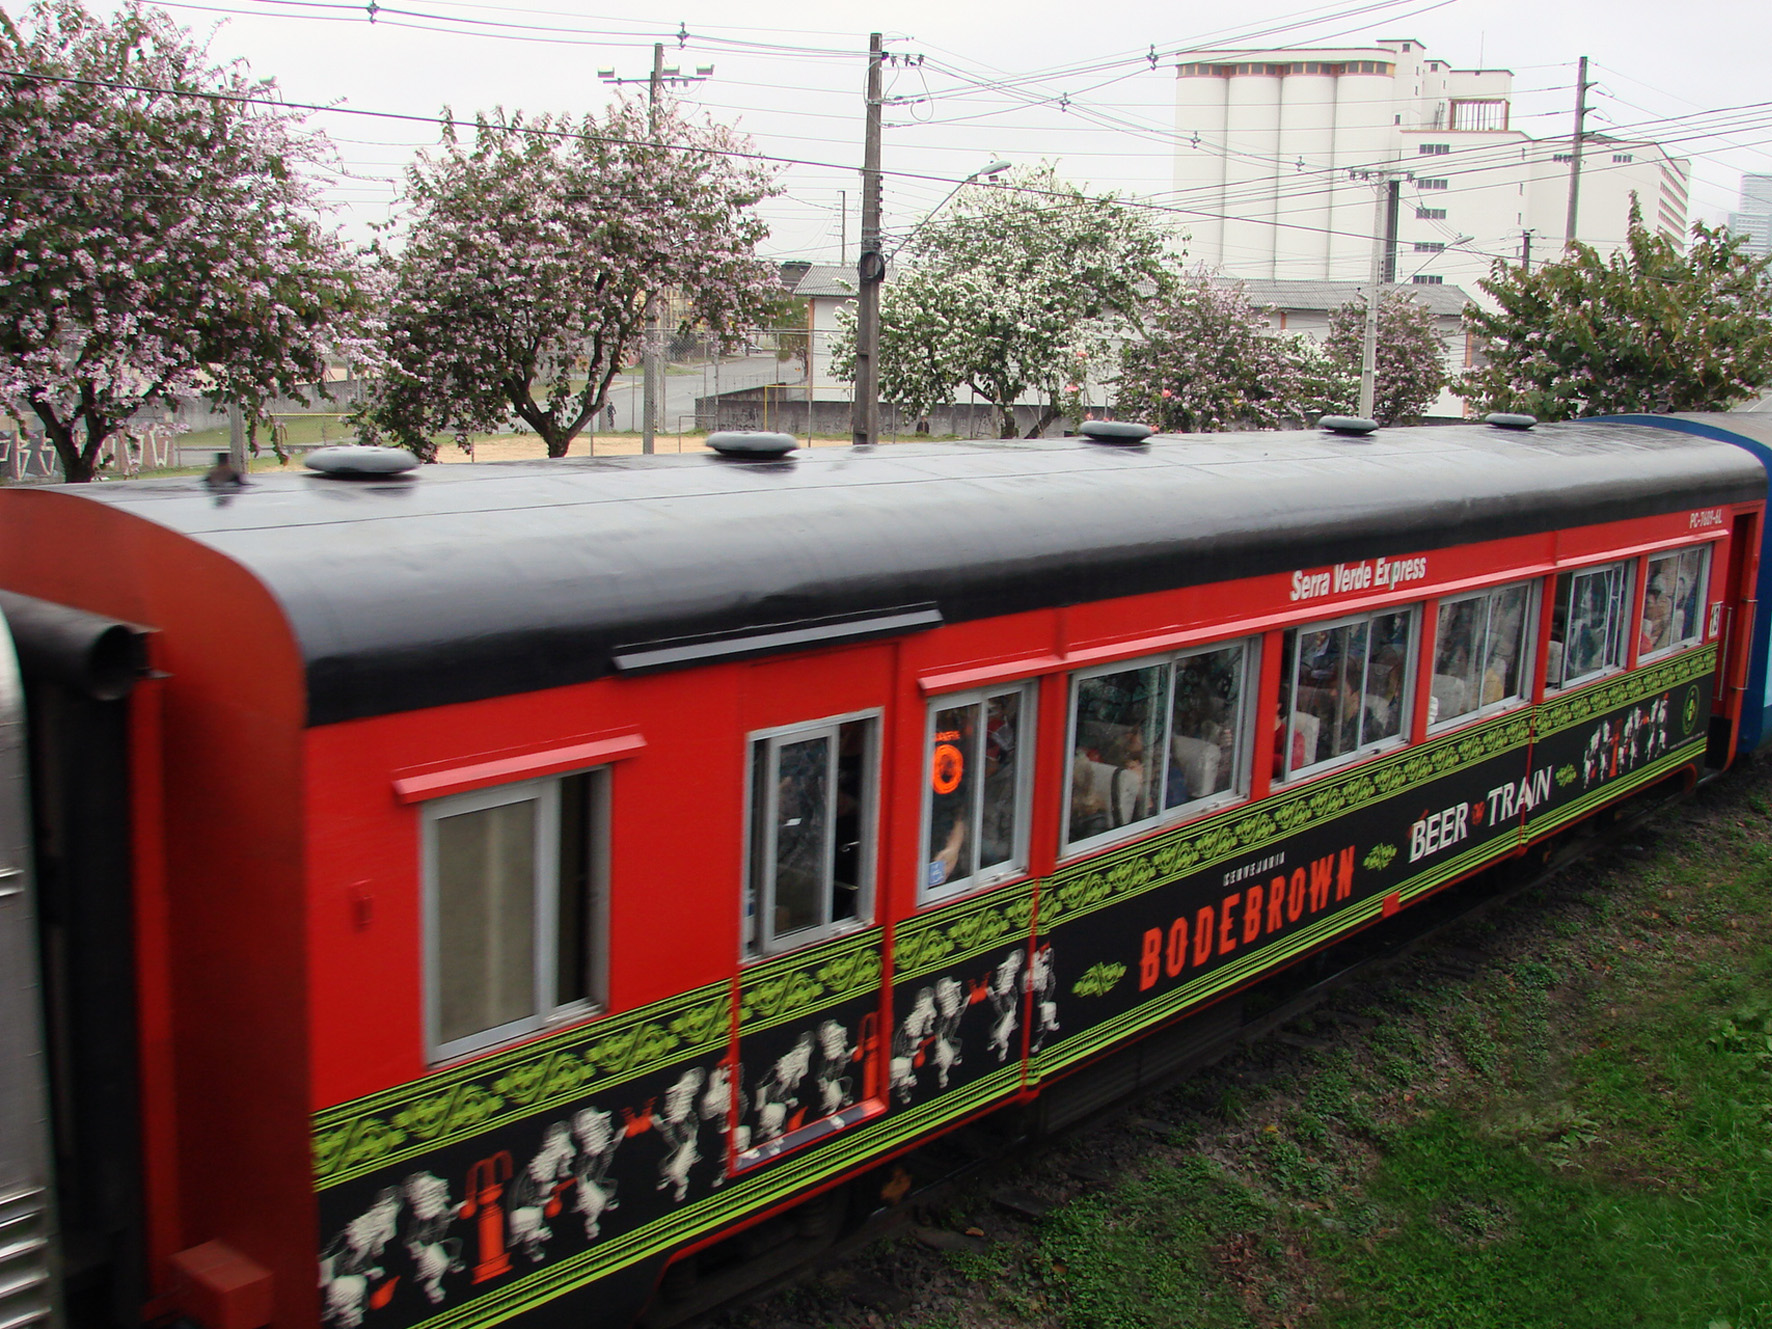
(1006, 427)
(77, 462)
(1047, 416)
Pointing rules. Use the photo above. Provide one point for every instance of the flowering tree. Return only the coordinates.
(158, 237)
(1649, 329)
(1411, 370)
(1018, 291)
(1208, 362)
(530, 256)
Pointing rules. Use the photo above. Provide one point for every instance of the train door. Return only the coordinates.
(29, 1294)
(1731, 706)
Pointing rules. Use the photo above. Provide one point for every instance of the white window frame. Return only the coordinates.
(1241, 760)
(1528, 652)
(1627, 627)
(545, 794)
(1406, 698)
(757, 937)
(1708, 553)
(1017, 865)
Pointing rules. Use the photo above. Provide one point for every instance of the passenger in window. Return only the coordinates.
(1280, 730)
(1131, 799)
(1089, 808)
(950, 802)
(1384, 702)
(1657, 618)
(1685, 608)
(998, 831)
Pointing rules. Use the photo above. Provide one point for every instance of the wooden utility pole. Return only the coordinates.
(1581, 87)
(864, 419)
(650, 369)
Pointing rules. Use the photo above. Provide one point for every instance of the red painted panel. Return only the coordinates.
(225, 969)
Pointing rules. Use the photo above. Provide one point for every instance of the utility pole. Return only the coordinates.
(652, 345)
(1526, 250)
(1581, 87)
(651, 370)
(1385, 192)
(1393, 204)
(843, 234)
(864, 419)
(1374, 293)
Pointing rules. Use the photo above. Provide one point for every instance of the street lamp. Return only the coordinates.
(990, 172)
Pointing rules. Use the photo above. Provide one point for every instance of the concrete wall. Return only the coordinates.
(753, 409)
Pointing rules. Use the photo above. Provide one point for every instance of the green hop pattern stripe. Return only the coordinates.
(387, 1128)
(805, 982)
(1567, 710)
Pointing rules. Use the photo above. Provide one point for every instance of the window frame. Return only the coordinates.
(1242, 764)
(1706, 552)
(756, 900)
(1407, 697)
(1028, 690)
(1528, 651)
(1626, 627)
(545, 793)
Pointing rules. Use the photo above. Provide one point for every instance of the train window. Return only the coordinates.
(513, 910)
(1588, 624)
(1344, 689)
(1481, 658)
(1673, 600)
(1157, 741)
(975, 808)
(811, 832)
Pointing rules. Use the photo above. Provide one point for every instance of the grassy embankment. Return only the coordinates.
(1559, 1118)
(1578, 1135)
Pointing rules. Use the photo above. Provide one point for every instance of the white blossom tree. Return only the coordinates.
(1207, 362)
(1023, 288)
(159, 232)
(529, 257)
(1411, 368)
(1652, 328)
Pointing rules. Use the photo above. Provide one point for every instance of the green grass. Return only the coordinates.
(1579, 1137)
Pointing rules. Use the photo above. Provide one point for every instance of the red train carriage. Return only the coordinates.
(505, 879)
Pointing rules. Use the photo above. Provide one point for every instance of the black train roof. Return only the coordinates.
(465, 582)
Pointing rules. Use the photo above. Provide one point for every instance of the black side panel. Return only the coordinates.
(80, 785)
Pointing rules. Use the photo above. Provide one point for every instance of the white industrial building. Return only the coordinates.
(1270, 143)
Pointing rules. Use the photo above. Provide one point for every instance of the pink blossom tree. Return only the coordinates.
(529, 257)
(159, 234)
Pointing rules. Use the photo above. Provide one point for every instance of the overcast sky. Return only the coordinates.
(1037, 79)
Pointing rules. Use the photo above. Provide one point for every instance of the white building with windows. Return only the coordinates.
(1271, 144)
(1754, 220)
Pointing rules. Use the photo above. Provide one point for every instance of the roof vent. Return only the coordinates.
(360, 462)
(752, 444)
(1503, 420)
(1118, 433)
(1353, 425)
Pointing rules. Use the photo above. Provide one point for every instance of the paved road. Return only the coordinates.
(683, 384)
